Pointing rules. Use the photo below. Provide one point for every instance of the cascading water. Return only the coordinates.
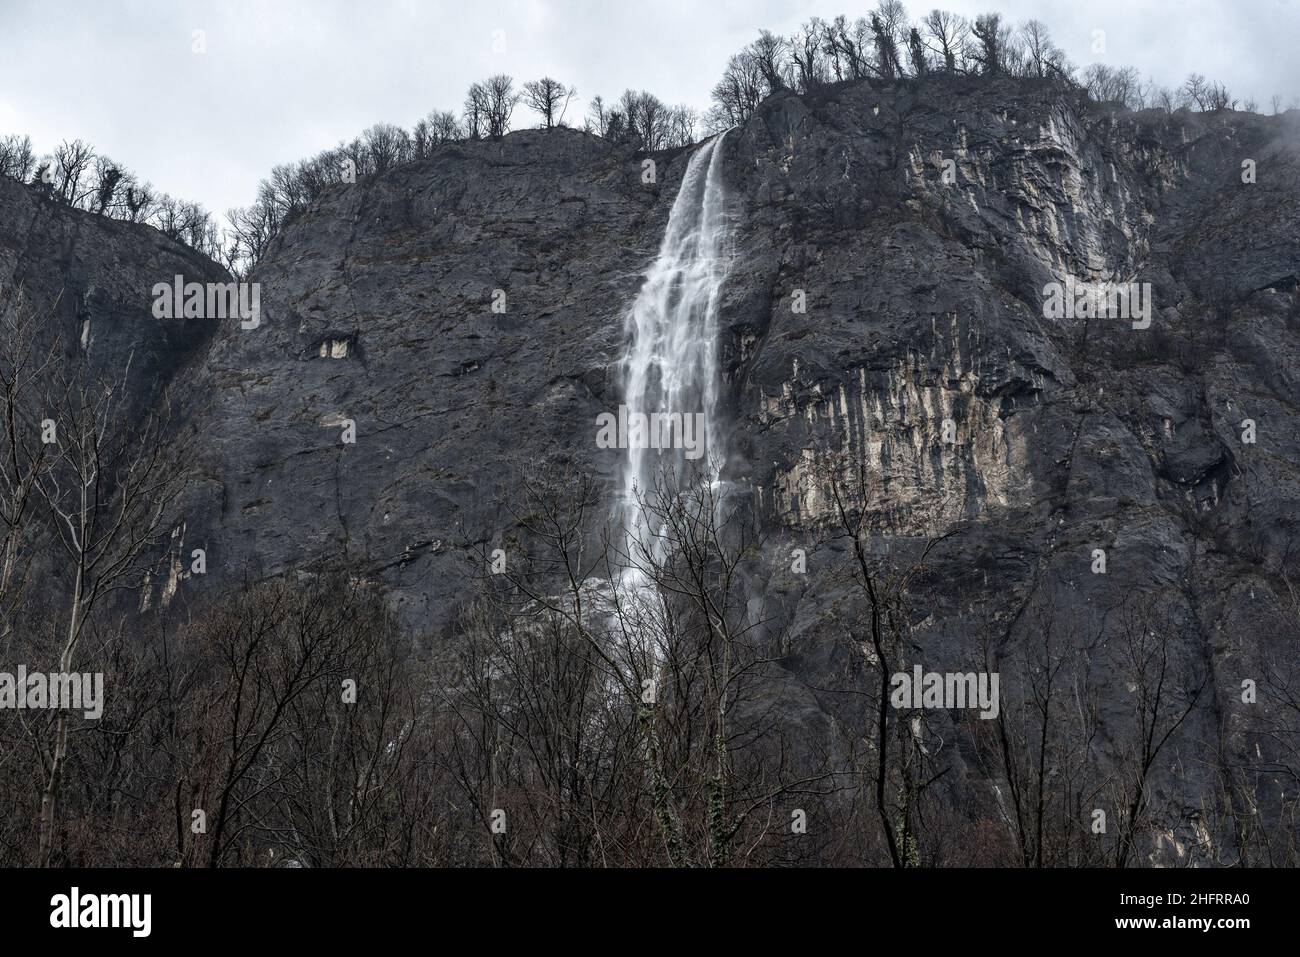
(671, 367)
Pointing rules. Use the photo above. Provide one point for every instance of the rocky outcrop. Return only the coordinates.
(925, 352)
(462, 319)
(93, 277)
(378, 310)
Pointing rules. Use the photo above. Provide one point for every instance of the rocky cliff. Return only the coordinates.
(92, 279)
(891, 247)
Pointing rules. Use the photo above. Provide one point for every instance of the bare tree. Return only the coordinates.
(1218, 98)
(946, 35)
(499, 100)
(889, 25)
(16, 157)
(72, 161)
(597, 117)
(436, 129)
(303, 730)
(444, 127)
(1164, 695)
(613, 694)
(1109, 85)
(916, 53)
(1197, 90)
(737, 95)
(769, 53)
(680, 128)
(107, 178)
(806, 52)
(888, 64)
(834, 49)
(106, 493)
(902, 774)
(387, 144)
(476, 111)
(646, 117)
(250, 231)
(986, 50)
(1042, 741)
(550, 98)
(845, 45)
(1042, 57)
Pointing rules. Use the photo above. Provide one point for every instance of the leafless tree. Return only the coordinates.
(444, 127)
(387, 144)
(646, 117)
(903, 771)
(303, 731)
(1164, 692)
(769, 53)
(806, 53)
(476, 111)
(16, 157)
(1042, 57)
(758, 71)
(250, 231)
(613, 697)
(680, 128)
(834, 47)
(550, 98)
(436, 129)
(1218, 98)
(888, 63)
(106, 494)
(1110, 85)
(108, 180)
(889, 26)
(1042, 742)
(947, 35)
(1197, 90)
(499, 100)
(986, 50)
(737, 95)
(72, 161)
(916, 53)
(597, 117)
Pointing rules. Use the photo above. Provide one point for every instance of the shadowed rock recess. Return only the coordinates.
(924, 303)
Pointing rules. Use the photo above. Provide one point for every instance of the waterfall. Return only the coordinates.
(671, 366)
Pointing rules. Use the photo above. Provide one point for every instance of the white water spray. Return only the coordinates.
(671, 367)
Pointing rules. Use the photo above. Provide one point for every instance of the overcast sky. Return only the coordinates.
(282, 79)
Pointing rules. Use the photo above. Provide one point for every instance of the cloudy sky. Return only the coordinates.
(282, 79)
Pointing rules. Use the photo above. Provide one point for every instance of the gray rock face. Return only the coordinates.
(923, 352)
(378, 308)
(93, 277)
(926, 304)
(89, 282)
